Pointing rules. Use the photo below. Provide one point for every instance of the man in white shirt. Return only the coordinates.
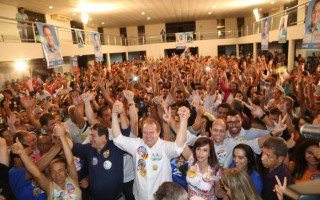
(42, 95)
(151, 154)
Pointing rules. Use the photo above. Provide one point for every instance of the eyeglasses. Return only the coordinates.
(237, 122)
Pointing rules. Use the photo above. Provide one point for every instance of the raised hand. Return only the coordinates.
(291, 143)
(59, 130)
(184, 113)
(128, 95)
(279, 188)
(6, 103)
(76, 99)
(87, 97)
(167, 115)
(26, 101)
(117, 107)
(11, 119)
(281, 126)
(196, 99)
(157, 100)
(255, 110)
(17, 147)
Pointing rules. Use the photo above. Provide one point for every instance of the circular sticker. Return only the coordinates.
(142, 172)
(106, 154)
(94, 161)
(241, 139)
(142, 152)
(77, 163)
(192, 173)
(155, 167)
(107, 165)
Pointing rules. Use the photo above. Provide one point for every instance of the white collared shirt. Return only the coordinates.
(152, 165)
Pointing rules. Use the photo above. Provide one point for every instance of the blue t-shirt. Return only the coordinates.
(177, 175)
(22, 188)
(256, 179)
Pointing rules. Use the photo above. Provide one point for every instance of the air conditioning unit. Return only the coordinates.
(61, 18)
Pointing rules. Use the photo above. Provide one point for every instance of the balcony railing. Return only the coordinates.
(9, 32)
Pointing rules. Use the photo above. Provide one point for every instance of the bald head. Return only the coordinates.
(218, 131)
(219, 122)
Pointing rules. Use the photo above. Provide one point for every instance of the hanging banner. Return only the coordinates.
(181, 40)
(265, 23)
(311, 38)
(74, 65)
(282, 38)
(79, 38)
(50, 45)
(97, 46)
(189, 37)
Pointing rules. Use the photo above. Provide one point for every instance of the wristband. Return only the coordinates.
(130, 104)
(263, 116)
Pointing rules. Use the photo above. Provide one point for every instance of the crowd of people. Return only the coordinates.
(178, 127)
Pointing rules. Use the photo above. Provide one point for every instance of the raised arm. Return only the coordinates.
(60, 131)
(4, 158)
(29, 105)
(116, 109)
(78, 111)
(184, 114)
(42, 180)
(88, 109)
(132, 111)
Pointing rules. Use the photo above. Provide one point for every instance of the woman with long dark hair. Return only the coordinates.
(203, 170)
(244, 158)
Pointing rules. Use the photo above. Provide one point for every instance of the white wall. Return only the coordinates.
(206, 25)
(231, 27)
(132, 35)
(8, 28)
(154, 29)
(112, 31)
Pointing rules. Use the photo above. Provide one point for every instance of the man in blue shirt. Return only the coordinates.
(22, 24)
(105, 163)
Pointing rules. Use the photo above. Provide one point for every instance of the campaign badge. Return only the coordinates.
(155, 167)
(77, 163)
(156, 157)
(107, 165)
(94, 161)
(142, 152)
(192, 173)
(106, 154)
(142, 167)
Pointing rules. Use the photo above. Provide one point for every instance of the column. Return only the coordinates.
(291, 48)
(109, 61)
(255, 52)
(237, 50)
(127, 56)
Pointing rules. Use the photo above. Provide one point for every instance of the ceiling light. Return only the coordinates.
(95, 7)
(102, 23)
(213, 7)
(256, 14)
(20, 66)
(148, 18)
(90, 19)
(143, 13)
(272, 2)
(209, 13)
(50, 7)
(74, 14)
(84, 18)
(260, 8)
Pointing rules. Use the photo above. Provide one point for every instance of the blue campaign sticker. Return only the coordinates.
(142, 152)
(94, 161)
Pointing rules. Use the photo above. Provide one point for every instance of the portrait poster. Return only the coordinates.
(189, 36)
(181, 41)
(79, 38)
(282, 37)
(265, 24)
(311, 38)
(74, 65)
(50, 45)
(97, 46)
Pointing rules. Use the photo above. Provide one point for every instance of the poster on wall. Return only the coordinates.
(181, 40)
(282, 37)
(189, 36)
(97, 46)
(50, 45)
(311, 38)
(265, 24)
(74, 65)
(79, 38)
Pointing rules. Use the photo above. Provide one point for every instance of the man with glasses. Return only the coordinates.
(235, 130)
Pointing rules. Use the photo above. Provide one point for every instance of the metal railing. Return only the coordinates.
(10, 33)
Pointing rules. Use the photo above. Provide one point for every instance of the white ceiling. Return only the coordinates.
(128, 12)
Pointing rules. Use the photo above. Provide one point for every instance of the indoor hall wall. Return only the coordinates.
(154, 29)
(64, 35)
(132, 35)
(206, 25)
(232, 26)
(111, 31)
(8, 27)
